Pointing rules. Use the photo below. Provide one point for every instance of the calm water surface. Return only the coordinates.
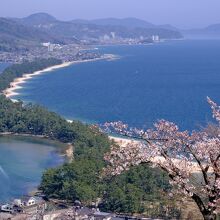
(22, 161)
(169, 80)
(3, 66)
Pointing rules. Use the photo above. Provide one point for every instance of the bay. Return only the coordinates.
(22, 162)
(169, 80)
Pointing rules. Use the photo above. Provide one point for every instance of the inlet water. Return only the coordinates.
(22, 162)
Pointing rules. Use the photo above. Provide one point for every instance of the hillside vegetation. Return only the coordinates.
(81, 178)
(83, 29)
(16, 36)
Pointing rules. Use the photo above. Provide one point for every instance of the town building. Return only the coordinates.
(26, 205)
(155, 38)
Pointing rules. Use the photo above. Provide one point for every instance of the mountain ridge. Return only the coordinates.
(15, 34)
(210, 32)
(42, 27)
(128, 22)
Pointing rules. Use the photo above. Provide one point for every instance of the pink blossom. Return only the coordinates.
(179, 153)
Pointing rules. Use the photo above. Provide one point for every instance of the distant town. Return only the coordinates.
(43, 36)
(71, 52)
(36, 208)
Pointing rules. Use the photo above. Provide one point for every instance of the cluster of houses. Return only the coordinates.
(82, 213)
(26, 206)
(35, 208)
(85, 213)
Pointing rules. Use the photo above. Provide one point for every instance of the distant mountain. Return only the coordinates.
(38, 19)
(17, 35)
(84, 29)
(211, 31)
(42, 27)
(130, 24)
(168, 27)
(125, 22)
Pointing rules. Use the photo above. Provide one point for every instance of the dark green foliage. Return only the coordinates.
(17, 70)
(90, 146)
(36, 120)
(127, 192)
(81, 178)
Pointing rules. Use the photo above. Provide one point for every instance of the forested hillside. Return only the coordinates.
(81, 178)
(16, 36)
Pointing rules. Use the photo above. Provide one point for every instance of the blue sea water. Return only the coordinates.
(169, 80)
(3, 66)
(22, 162)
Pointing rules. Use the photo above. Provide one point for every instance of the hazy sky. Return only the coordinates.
(181, 13)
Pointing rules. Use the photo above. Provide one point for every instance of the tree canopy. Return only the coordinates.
(180, 154)
(80, 179)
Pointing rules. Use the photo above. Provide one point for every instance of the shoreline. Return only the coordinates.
(17, 83)
(64, 150)
(123, 141)
(68, 147)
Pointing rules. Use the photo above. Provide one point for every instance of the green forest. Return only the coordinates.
(81, 179)
(17, 70)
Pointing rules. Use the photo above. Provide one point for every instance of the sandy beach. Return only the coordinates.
(17, 83)
(124, 141)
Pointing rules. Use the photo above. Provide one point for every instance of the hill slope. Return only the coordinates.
(38, 18)
(83, 29)
(212, 32)
(125, 22)
(22, 33)
(16, 35)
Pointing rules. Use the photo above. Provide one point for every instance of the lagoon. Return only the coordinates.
(22, 162)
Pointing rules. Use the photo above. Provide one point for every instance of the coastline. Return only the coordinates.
(17, 83)
(123, 142)
(64, 150)
(68, 147)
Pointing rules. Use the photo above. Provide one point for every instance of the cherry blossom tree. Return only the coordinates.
(180, 154)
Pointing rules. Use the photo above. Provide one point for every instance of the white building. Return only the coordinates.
(51, 48)
(155, 38)
(7, 208)
(26, 201)
(30, 201)
(106, 37)
(46, 44)
(113, 35)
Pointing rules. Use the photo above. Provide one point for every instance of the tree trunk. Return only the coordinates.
(209, 216)
(206, 213)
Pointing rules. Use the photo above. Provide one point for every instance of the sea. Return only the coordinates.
(169, 80)
(3, 66)
(22, 163)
